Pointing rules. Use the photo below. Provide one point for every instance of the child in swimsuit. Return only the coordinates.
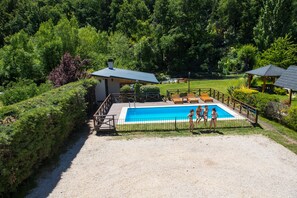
(205, 114)
(199, 114)
(190, 116)
(214, 116)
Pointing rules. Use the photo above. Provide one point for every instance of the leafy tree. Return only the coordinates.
(48, 46)
(247, 57)
(238, 59)
(144, 52)
(70, 70)
(22, 90)
(283, 53)
(17, 59)
(274, 22)
(94, 13)
(233, 20)
(67, 30)
(131, 18)
(120, 47)
(93, 45)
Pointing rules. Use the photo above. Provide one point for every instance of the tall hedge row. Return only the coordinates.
(33, 129)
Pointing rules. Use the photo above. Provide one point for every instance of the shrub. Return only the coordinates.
(34, 129)
(70, 69)
(280, 91)
(125, 89)
(255, 98)
(262, 100)
(137, 88)
(244, 94)
(291, 119)
(22, 90)
(241, 83)
(149, 89)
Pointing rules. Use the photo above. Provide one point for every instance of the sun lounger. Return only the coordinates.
(176, 99)
(205, 97)
(191, 98)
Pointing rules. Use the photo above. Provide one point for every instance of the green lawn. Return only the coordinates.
(220, 85)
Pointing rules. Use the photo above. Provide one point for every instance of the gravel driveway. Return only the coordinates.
(201, 166)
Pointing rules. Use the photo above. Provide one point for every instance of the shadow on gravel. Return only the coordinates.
(207, 131)
(107, 133)
(50, 173)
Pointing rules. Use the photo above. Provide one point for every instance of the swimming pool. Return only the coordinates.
(172, 112)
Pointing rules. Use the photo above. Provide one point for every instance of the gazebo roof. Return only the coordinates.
(288, 79)
(269, 70)
(126, 74)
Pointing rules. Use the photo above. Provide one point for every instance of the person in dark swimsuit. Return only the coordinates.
(214, 116)
(205, 114)
(190, 116)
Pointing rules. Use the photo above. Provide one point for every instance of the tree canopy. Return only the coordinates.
(169, 36)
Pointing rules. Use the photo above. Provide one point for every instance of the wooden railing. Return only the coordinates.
(99, 118)
(102, 121)
(251, 113)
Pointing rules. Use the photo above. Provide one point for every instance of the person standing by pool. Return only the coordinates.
(199, 115)
(190, 116)
(214, 116)
(205, 114)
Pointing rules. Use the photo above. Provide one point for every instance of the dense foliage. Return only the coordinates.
(169, 36)
(32, 130)
(23, 90)
(255, 98)
(149, 89)
(70, 70)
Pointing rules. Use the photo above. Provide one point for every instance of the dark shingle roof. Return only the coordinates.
(269, 70)
(288, 79)
(126, 74)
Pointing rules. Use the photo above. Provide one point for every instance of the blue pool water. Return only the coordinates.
(169, 113)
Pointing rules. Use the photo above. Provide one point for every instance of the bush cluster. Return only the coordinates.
(33, 130)
(149, 89)
(280, 91)
(125, 89)
(255, 98)
(23, 90)
(291, 118)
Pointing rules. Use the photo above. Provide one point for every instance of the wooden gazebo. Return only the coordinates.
(288, 80)
(269, 71)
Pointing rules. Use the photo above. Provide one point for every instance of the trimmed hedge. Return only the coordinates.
(149, 89)
(33, 130)
(125, 89)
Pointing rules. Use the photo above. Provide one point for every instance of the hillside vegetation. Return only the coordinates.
(168, 36)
